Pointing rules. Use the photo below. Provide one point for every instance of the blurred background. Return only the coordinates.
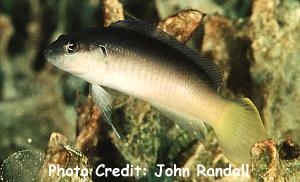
(255, 42)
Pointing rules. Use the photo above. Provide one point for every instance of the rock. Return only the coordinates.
(274, 31)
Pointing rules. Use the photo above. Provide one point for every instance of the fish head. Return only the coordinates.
(77, 54)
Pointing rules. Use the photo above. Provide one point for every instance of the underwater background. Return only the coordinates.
(47, 116)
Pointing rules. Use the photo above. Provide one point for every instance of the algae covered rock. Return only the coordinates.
(274, 31)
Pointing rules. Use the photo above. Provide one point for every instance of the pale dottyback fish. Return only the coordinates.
(142, 61)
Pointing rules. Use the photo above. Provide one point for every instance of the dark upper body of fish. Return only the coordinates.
(141, 60)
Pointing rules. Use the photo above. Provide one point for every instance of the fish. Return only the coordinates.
(140, 60)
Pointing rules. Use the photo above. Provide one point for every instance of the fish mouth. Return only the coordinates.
(60, 62)
(47, 53)
(50, 57)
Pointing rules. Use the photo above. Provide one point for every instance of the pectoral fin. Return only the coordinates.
(104, 100)
(187, 123)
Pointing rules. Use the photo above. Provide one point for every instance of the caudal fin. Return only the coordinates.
(238, 129)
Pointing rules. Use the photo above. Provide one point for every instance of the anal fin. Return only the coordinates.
(189, 124)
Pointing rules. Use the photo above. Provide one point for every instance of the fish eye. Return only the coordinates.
(70, 47)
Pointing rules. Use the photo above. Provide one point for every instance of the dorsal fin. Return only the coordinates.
(213, 73)
(130, 16)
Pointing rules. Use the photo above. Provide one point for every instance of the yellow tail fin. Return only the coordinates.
(238, 129)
